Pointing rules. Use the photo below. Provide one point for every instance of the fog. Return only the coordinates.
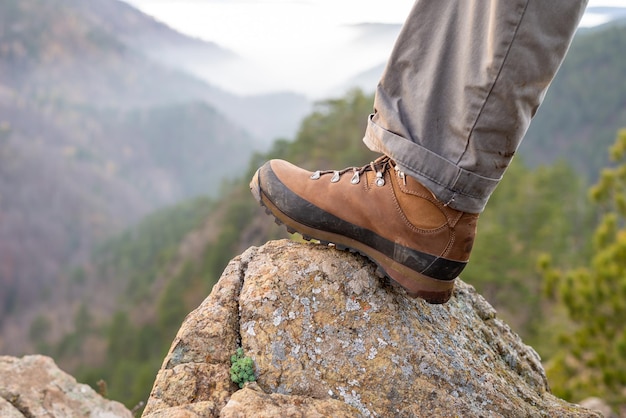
(310, 47)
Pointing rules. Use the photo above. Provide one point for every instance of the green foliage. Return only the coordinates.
(585, 104)
(330, 137)
(171, 308)
(77, 276)
(134, 354)
(137, 258)
(532, 212)
(523, 220)
(139, 254)
(38, 333)
(592, 358)
(242, 368)
(206, 149)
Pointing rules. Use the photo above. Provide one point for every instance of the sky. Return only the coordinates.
(252, 26)
(292, 41)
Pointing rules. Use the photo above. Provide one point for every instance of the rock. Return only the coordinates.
(8, 411)
(33, 386)
(253, 398)
(597, 404)
(329, 338)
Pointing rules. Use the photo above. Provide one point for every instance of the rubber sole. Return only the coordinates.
(415, 284)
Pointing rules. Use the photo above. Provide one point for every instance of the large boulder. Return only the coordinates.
(33, 386)
(329, 338)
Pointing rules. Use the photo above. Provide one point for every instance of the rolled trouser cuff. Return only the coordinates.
(452, 185)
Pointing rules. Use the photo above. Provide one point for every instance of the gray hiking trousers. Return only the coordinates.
(461, 86)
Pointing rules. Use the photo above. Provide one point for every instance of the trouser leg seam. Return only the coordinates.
(495, 80)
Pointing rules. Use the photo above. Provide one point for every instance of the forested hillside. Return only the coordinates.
(95, 134)
(585, 105)
(590, 357)
(78, 175)
(161, 283)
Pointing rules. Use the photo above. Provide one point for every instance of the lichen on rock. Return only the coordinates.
(325, 333)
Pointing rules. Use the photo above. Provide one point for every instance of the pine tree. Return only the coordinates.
(592, 361)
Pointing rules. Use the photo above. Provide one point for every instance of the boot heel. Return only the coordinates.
(417, 285)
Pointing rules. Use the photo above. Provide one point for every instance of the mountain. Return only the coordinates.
(95, 133)
(204, 61)
(583, 108)
(585, 105)
(611, 13)
(136, 289)
(146, 34)
(113, 313)
(52, 53)
(522, 214)
(104, 53)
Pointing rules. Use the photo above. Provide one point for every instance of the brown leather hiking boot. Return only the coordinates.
(378, 211)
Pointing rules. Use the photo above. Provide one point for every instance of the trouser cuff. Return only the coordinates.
(452, 185)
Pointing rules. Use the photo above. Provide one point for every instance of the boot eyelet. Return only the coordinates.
(335, 178)
(380, 181)
(402, 176)
(316, 175)
(355, 178)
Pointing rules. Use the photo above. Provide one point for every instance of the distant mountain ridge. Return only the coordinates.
(586, 104)
(73, 172)
(583, 108)
(95, 133)
(143, 31)
(611, 12)
(154, 278)
(51, 46)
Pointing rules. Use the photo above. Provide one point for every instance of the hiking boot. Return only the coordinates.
(377, 211)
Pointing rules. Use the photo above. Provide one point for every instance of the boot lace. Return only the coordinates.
(379, 166)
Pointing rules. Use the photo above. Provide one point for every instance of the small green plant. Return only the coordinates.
(242, 368)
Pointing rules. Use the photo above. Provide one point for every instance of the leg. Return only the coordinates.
(463, 82)
(461, 86)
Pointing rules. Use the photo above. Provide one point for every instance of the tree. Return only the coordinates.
(592, 361)
(522, 221)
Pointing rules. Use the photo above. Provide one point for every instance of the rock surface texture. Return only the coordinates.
(33, 386)
(330, 339)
